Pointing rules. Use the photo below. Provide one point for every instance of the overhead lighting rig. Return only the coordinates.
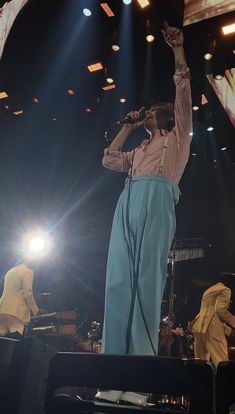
(229, 29)
(143, 3)
(95, 66)
(107, 9)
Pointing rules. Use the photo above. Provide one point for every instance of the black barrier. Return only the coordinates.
(7, 348)
(26, 380)
(225, 387)
(153, 375)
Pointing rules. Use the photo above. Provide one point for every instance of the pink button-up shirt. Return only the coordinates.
(147, 157)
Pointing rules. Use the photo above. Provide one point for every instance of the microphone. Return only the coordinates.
(129, 120)
(45, 294)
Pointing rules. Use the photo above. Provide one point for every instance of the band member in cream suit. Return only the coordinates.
(17, 302)
(214, 321)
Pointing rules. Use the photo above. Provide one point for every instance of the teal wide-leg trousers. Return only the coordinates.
(142, 233)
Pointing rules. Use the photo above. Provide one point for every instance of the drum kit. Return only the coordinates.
(175, 341)
(91, 340)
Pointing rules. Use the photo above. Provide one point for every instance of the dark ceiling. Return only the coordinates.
(50, 157)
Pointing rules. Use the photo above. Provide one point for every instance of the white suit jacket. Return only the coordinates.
(214, 310)
(17, 299)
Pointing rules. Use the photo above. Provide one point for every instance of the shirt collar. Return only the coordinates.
(160, 133)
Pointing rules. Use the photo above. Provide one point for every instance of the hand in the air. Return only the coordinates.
(172, 35)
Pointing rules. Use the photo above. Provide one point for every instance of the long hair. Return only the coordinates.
(167, 110)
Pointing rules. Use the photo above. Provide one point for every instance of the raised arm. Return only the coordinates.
(221, 308)
(183, 102)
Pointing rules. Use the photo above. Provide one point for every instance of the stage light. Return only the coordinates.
(195, 108)
(219, 76)
(115, 48)
(37, 244)
(127, 1)
(223, 149)
(150, 38)
(95, 66)
(107, 9)
(191, 134)
(204, 100)
(70, 92)
(210, 49)
(122, 100)
(219, 66)
(35, 100)
(109, 87)
(208, 56)
(143, 3)
(17, 113)
(194, 154)
(87, 12)
(3, 95)
(228, 29)
(109, 80)
(210, 128)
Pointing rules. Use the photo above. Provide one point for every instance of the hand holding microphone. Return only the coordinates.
(134, 119)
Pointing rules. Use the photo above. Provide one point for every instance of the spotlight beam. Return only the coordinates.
(36, 244)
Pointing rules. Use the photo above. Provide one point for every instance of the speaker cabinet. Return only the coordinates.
(7, 348)
(225, 380)
(172, 376)
(26, 383)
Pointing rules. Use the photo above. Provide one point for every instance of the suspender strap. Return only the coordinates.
(163, 154)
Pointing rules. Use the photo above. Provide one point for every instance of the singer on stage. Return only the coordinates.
(144, 220)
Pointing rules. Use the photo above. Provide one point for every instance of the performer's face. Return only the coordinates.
(156, 118)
